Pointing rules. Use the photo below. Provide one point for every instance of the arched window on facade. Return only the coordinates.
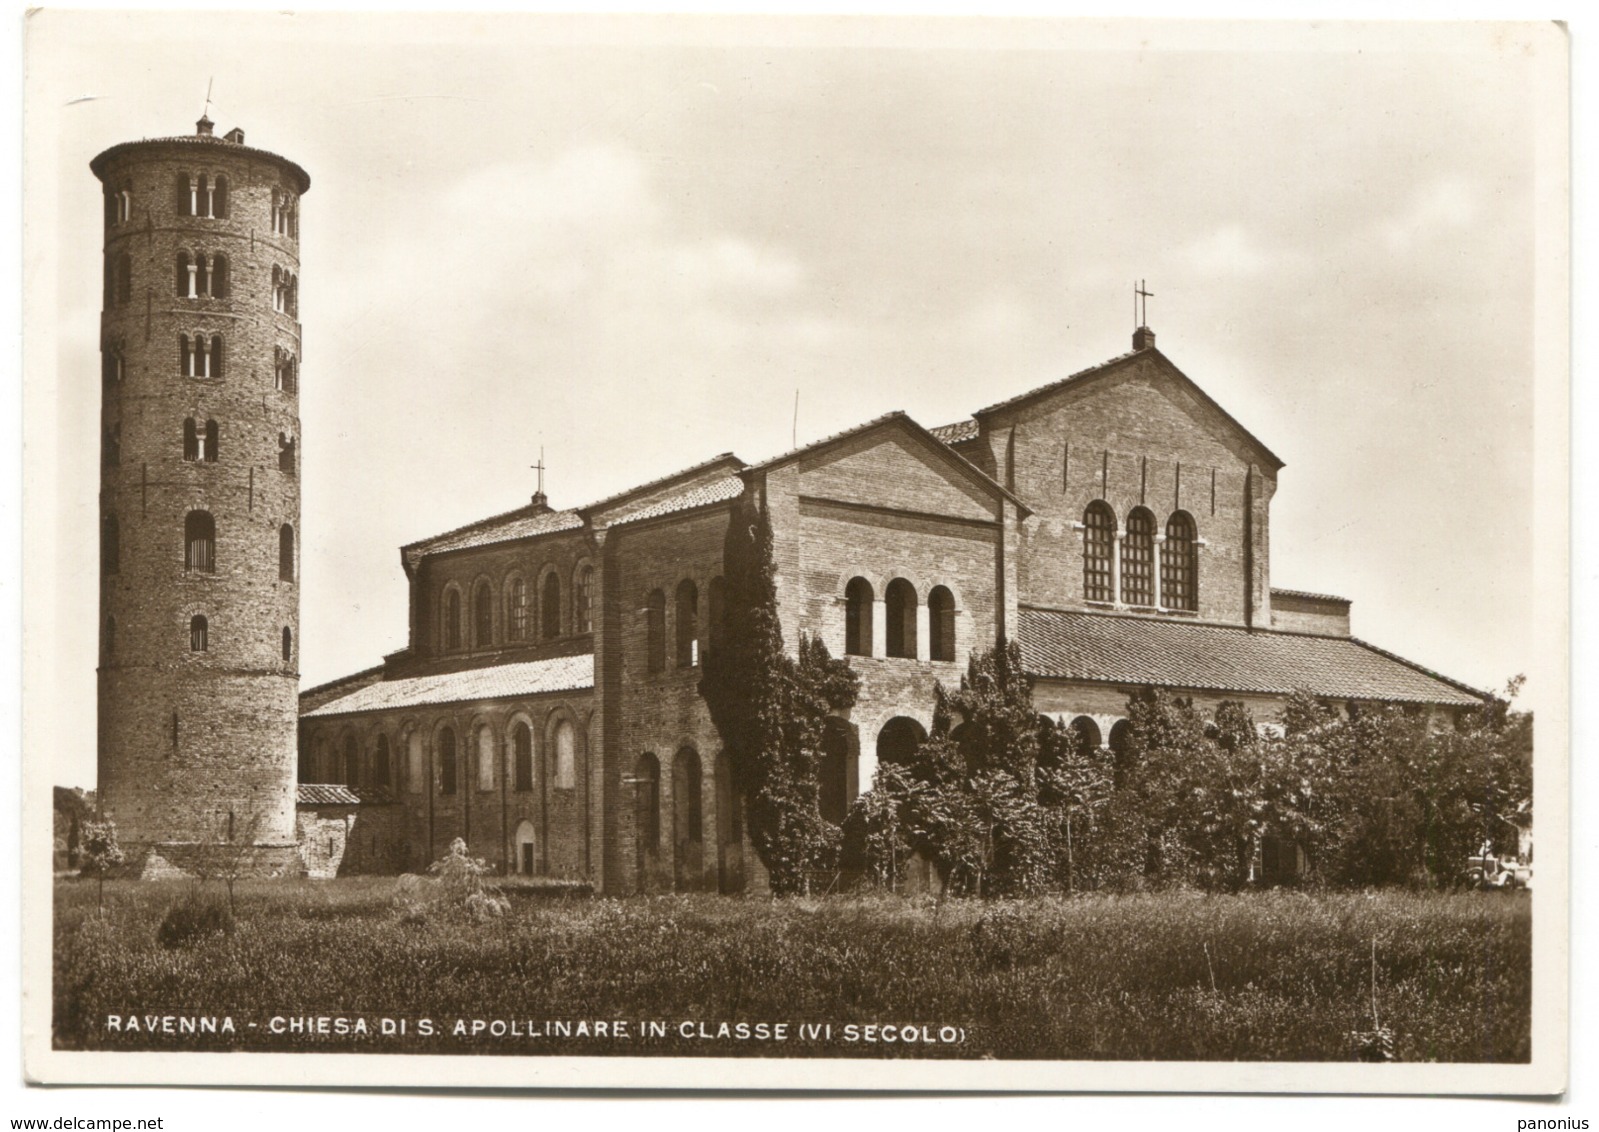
(199, 633)
(516, 608)
(482, 616)
(200, 543)
(688, 624)
(191, 440)
(1179, 564)
(288, 644)
(352, 763)
(565, 771)
(452, 619)
(485, 757)
(447, 761)
(1099, 542)
(522, 756)
(550, 606)
(941, 624)
(858, 617)
(901, 601)
(415, 769)
(655, 630)
(1138, 558)
(647, 808)
(583, 599)
(380, 762)
(286, 553)
(716, 613)
(110, 544)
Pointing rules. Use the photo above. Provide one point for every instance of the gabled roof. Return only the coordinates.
(732, 462)
(1133, 650)
(524, 522)
(490, 682)
(1275, 592)
(904, 422)
(699, 495)
(1083, 377)
(958, 432)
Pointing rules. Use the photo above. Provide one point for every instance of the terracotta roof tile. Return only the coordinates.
(957, 432)
(700, 495)
(1181, 654)
(492, 682)
(524, 522)
(1306, 594)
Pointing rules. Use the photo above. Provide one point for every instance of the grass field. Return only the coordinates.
(1258, 976)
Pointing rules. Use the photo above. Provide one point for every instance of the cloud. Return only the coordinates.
(1446, 204)
(1228, 251)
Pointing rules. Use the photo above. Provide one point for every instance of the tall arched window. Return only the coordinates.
(583, 599)
(565, 773)
(452, 619)
(516, 608)
(522, 754)
(218, 277)
(352, 763)
(858, 617)
(191, 440)
(482, 616)
(219, 198)
(199, 633)
(647, 804)
(286, 553)
(716, 600)
(941, 624)
(288, 644)
(550, 606)
(212, 442)
(901, 601)
(1087, 734)
(215, 358)
(688, 624)
(185, 195)
(187, 283)
(447, 761)
(655, 630)
(287, 452)
(200, 542)
(485, 757)
(1179, 564)
(1138, 558)
(688, 833)
(380, 762)
(110, 544)
(1099, 542)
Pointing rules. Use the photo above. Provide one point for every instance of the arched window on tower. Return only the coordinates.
(288, 454)
(219, 198)
(191, 440)
(858, 600)
(212, 441)
(185, 197)
(655, 630)
(583, 599)
(286, 553)
(522, 756)
(516, 608)
(200, 543)
(187, 281)
(199, 633)
(1099, 542)
(110, 544)
(901, 601)
(482, 616)
(941, 624)
(1138, 558)
(688, 624)
(550, 606)
(217, 277)
(288, 645)
(277, 289)
(216, 356)
(1179, 564)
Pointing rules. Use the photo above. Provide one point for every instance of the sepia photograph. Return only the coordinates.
(795, 552)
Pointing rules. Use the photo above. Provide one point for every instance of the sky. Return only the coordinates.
(627, 244)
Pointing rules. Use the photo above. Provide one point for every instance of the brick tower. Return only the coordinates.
(200, 500)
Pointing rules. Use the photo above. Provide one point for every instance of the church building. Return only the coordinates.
(1115, 523)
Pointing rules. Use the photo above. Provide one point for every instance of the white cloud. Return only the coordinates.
(1228, 251)
(1446, 204)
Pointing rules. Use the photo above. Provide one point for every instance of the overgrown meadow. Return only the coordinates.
(1279, 975)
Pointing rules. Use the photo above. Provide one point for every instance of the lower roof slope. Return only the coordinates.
(1061, 644)
(491, 682)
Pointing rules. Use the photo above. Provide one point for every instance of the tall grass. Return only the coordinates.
(1259, 976)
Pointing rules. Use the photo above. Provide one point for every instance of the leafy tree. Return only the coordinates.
(770, 709)
(100, 853)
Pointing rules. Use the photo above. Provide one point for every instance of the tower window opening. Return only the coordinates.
(188, 283)
(286, 553)
(200, 543)
(203, 198)
(185, 185)
(286, 454)
(111, 366)
(124, 206)
(191, 441)
(288, 644)
(199, 633)
(219, 198)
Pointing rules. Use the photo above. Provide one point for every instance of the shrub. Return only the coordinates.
(197, 918)
(1006, 937)
(458, 889)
